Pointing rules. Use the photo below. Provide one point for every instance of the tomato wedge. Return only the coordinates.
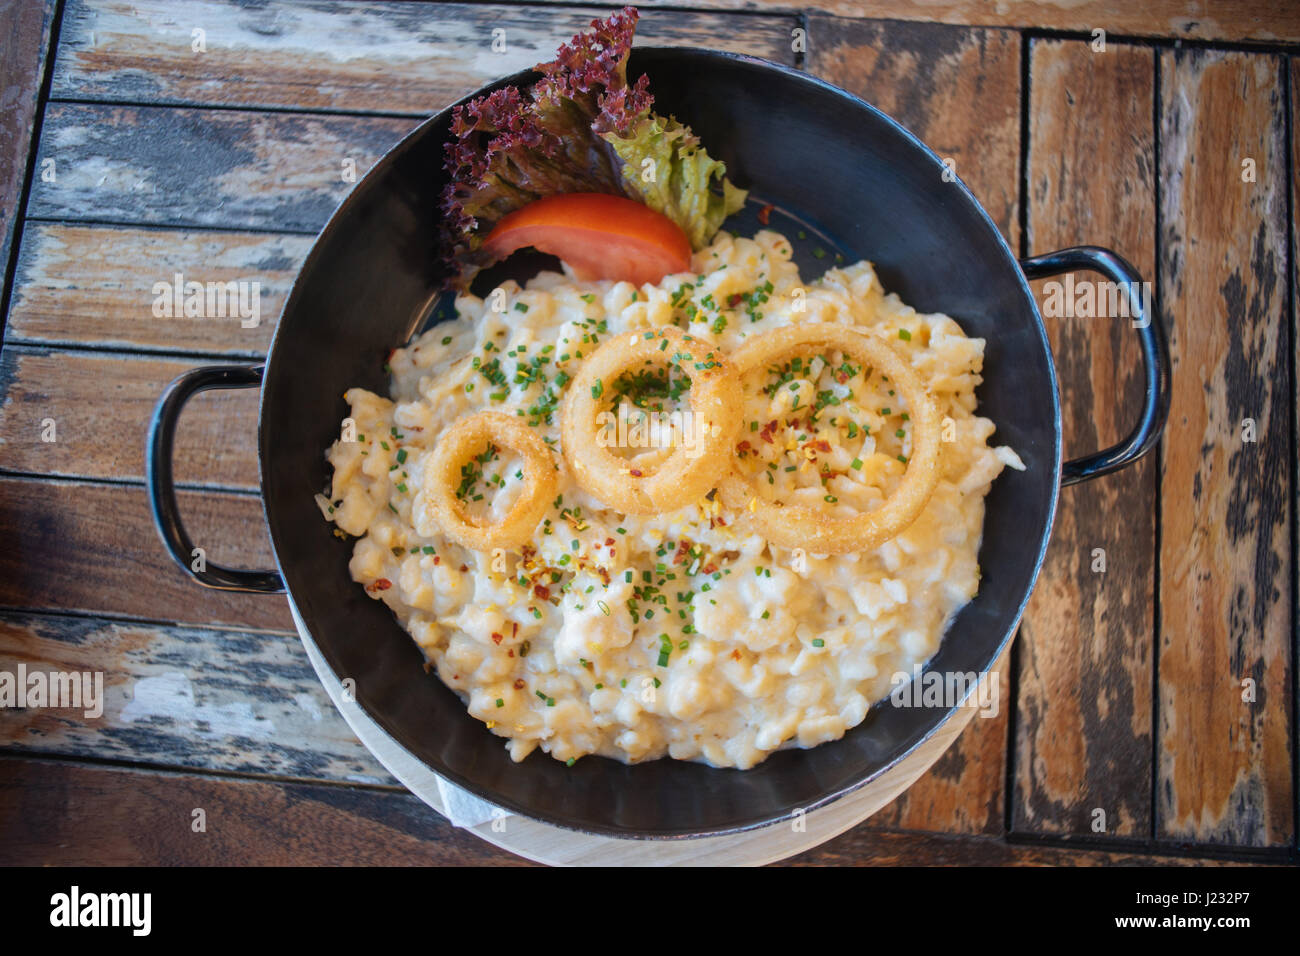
(600, 236)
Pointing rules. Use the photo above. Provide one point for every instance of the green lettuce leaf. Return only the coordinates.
(665, 167)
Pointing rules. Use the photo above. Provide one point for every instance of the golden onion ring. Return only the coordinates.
(812, 529)
(686, 475)
(469, 437)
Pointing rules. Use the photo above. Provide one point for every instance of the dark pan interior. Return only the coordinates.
(811, 149)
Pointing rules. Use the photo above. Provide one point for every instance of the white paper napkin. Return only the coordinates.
(464, 809)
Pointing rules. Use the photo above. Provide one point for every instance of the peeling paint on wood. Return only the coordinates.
(201, 698)
(1224, 773)
(225, 168)
(408, 58)
(1085, 704)
(94, 285)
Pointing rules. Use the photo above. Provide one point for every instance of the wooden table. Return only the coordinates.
(1152, 707)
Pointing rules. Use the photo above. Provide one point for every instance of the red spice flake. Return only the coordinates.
(510, 653)
(682, 552)
(635, 473)
(383, 584)
(497, 638)
(735, 655)
(609, 541)
(768, 430)
(464, 567)
(733, 300)
(542, 591)
(744, 446)
(519, 684)
(841, 377)
(437, 559)
(709, 568)
(765, 214)
(514, 628)
(721, 520)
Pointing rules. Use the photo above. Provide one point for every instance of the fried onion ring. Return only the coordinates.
(689, 473)
(441, 506)
(812, 529)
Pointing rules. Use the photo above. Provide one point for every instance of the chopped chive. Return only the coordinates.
(905, 335)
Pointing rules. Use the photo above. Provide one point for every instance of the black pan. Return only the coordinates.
(832, 165)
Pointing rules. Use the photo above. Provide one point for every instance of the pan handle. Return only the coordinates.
(1155, 356)
(162, 488)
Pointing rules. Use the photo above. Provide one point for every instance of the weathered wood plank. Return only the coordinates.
(94, 285)
(1202, 19)
(867, 846)
(73, 546)
(86, 415)
(958, 89)
(62, 813)
(55, 812)
(24, 42)
(1293, 75)
(1224, 762)
(188, 697)
(1083, 735)
(410, 58)
(226, 168)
